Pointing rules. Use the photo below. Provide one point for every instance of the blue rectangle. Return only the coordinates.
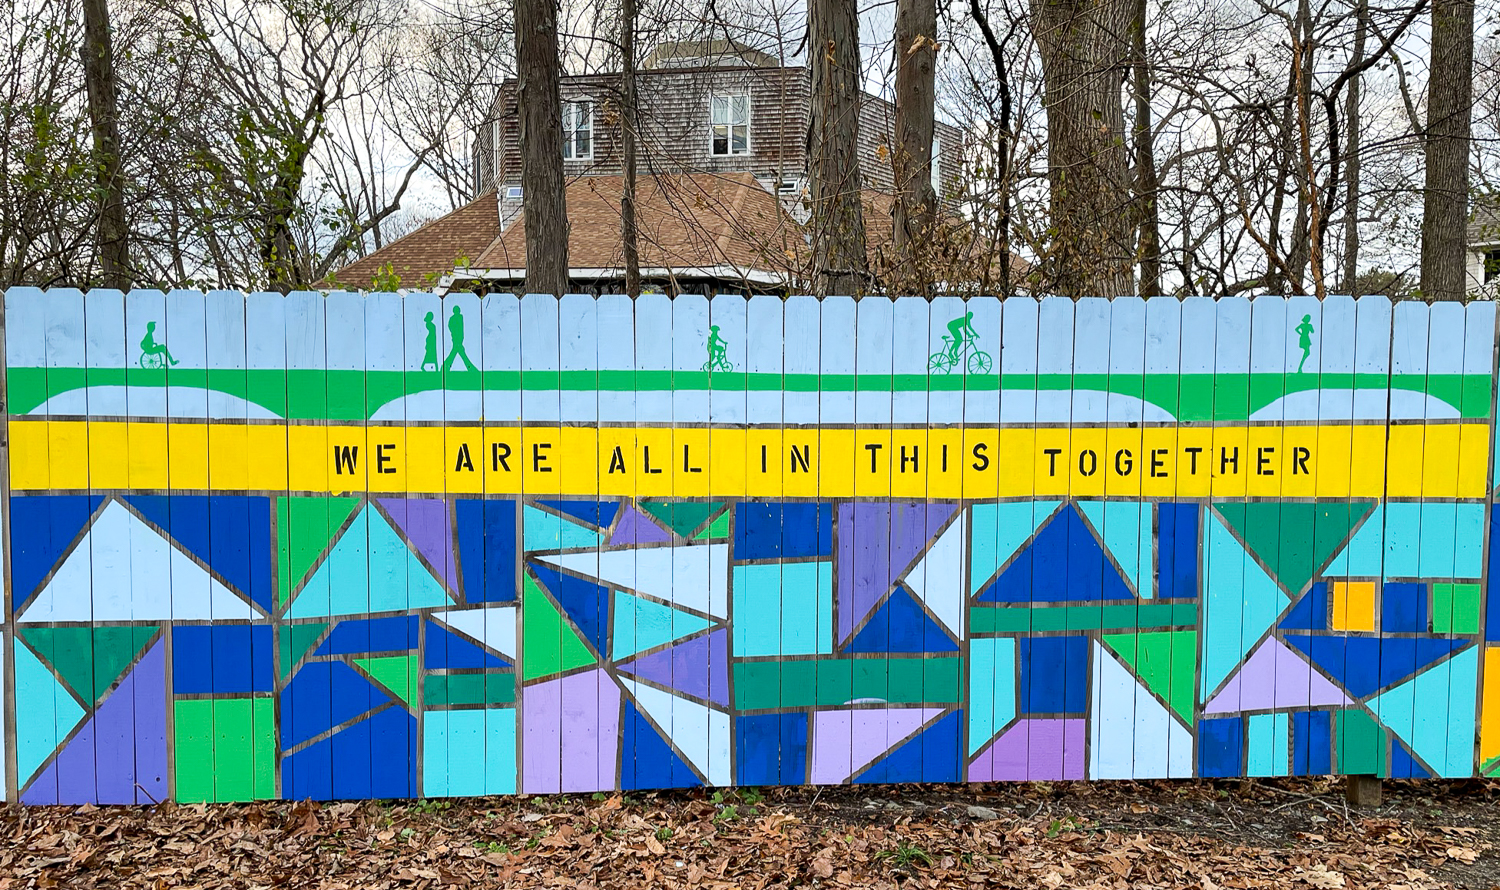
(1221, 747)
(1312, 743)
(1054, 675)
(222, 659)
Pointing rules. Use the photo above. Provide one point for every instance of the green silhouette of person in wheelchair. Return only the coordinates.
(153, 354)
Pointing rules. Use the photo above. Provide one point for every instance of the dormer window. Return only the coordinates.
(578, 130)
(729, 125)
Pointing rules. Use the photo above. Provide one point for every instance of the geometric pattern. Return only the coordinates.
(394, 638)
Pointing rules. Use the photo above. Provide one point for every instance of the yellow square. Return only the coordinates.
(1353, 605)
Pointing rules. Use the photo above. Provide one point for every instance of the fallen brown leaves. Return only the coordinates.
(1180, 835)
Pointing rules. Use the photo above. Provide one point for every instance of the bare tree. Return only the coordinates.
(916, 49)
(1147, 217)
(629, 235)
(104, 122)
(840, 264)
(1450, 102)
(543, 192)
(1084, 55)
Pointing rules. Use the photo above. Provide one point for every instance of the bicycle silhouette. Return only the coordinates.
(718, 362)
(978, 361)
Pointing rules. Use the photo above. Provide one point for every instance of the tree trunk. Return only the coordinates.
(629, 236)
(911, 157)
(1450, 100)
(1003, 152)
(1148, 238)
(543, 198)
(1084, 56)
(840, 265)
(1351, 154)
(103, 91)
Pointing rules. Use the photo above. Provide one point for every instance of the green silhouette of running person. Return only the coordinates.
(456, 333)
(152, 352)
(1304, 340)
(718, 352)
(429, 352)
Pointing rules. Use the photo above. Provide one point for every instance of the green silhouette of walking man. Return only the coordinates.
(959, 327)
(429, 353)
(456, 334)
(1304, 340)
(149, 346)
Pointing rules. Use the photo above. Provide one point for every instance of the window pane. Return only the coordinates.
(720, 110)
(721, 140)
(741, 140)
(741, 110)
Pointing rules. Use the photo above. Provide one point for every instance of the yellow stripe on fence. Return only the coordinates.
(1446, 460)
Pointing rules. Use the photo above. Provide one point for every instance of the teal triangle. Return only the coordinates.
(50, 713)
(548, 531)
(1441, 731)
(369, 569)
(1125, 527)
(998, 531)
(641, 624)
(1240, 603)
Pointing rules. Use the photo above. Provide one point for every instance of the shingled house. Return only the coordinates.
(721, 191)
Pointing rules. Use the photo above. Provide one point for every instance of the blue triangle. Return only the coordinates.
(231, 534)
(445, 649)
(1063, 564)
(41, 528)
(646, 760)
(1404, 765)
(900, 625)
(596, 513)
(585, 602)
(1310, 612)
(932, 756)
(1364, 664)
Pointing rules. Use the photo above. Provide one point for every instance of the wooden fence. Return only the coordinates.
(384, 545)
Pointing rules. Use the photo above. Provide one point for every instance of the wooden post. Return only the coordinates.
(1362, 791)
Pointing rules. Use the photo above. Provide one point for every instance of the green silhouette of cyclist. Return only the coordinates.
(149, 346)
(961, 329)
(718, 350)
(1304, 340)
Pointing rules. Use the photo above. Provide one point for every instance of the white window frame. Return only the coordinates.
(936, 169)
(571, 128)
(729, 98)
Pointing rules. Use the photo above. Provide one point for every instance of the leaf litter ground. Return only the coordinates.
(1195, 834)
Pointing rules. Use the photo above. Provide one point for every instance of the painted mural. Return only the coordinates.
(349, 546)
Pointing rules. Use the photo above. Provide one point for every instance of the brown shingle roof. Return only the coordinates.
(432, 250)
(686, 221)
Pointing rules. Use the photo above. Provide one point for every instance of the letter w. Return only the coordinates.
(345, 455)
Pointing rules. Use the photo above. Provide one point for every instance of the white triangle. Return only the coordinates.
(938, 578)
(698, 731)
(494, 626)
(147, 579)
(695, 577)
(1132, 735)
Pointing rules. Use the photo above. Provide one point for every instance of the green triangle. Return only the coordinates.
(719, 528)
(1294, 540)
(89, 659)
(296, 639)
(398, 673)
(304, 526)
(1489, 765)
(550, 643)
(681, 516)
(1166, 661)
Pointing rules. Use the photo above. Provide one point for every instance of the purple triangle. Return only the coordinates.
(845, 742)
(1273, 678)
(877, 541)
(1037, 749)
(425, 523)
(637, 528)
(119, 756)
(698, 667)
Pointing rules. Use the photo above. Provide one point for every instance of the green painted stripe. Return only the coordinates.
(1024, 619)
(356, 395)
(468, 689)
(835, 681)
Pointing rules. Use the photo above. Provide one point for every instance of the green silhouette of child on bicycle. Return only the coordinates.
(151, 351)
(718, 352)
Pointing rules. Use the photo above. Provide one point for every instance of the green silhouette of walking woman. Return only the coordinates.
(429, 353)
(456, 334)
(1304, 340)
(152, 352)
